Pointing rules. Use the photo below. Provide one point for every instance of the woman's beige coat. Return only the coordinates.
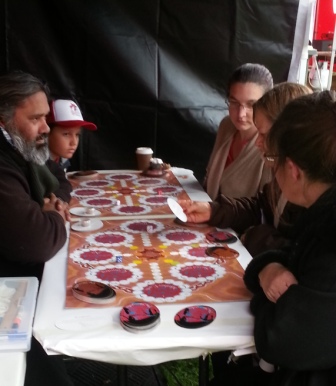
(244, 177)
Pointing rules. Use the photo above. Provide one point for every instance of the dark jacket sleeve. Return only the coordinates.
(301, 315)
(28, 234)
(65, 189)
(263, 237)
(296, 332)
(251, 276)
(237, 213)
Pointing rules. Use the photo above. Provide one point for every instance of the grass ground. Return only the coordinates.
(183, 372)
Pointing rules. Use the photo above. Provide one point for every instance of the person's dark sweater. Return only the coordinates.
(297, 332)
(29, 236)
(65, 188)
(254, 217)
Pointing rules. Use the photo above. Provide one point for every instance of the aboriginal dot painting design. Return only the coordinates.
(154, 200)
(181, 236)
(142, 226)
(150, 253)
(143, 182)
(87, 192)
(168, 190)
(156, 260)
(110, 238)
(131, 209)
(94, 256)
(99, 202)
(116, 275)
(200, 272)
(121, 177)
(95, 184)
(167, 291)
(196, 252)
(127, 193)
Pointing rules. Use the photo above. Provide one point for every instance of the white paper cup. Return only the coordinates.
(143, 156)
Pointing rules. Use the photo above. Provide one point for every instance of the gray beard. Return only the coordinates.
(29, 150)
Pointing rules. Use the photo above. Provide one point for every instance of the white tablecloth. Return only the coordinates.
(96, 334)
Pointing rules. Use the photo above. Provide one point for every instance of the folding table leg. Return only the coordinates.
(122, 375)
(203, 371)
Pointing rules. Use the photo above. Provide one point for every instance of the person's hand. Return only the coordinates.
(274, 280)
(54, 203)
(196, 211)
(62, 206)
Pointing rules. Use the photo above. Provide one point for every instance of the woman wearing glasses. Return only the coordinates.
(264, 219)
(263, 223)
(294, 288)
(235, 167)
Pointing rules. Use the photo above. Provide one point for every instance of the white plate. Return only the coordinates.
(176, 208)
(94, 225)
(80, 211)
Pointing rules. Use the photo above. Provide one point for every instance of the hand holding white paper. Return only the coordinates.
(176, 208)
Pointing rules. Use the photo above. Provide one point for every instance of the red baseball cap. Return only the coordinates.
(66, 113)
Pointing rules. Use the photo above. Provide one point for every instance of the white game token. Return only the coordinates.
(176, 208)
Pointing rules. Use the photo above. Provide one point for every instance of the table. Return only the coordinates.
(96, 333)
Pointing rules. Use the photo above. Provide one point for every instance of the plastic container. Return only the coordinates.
(17, 308)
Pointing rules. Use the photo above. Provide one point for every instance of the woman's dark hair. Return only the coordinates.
(251, 73)
(305, 132)
(15, 87)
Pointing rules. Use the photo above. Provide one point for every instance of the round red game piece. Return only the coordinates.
(139, 316)
(93, 292)
(195, 316)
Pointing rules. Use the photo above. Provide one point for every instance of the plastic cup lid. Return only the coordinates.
(144, 150)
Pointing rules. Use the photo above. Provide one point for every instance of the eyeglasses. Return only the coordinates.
(270, 157)
(235, 105)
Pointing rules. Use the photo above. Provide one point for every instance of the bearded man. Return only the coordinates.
(32, 217)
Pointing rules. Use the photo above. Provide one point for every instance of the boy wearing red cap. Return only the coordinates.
(65, 121)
